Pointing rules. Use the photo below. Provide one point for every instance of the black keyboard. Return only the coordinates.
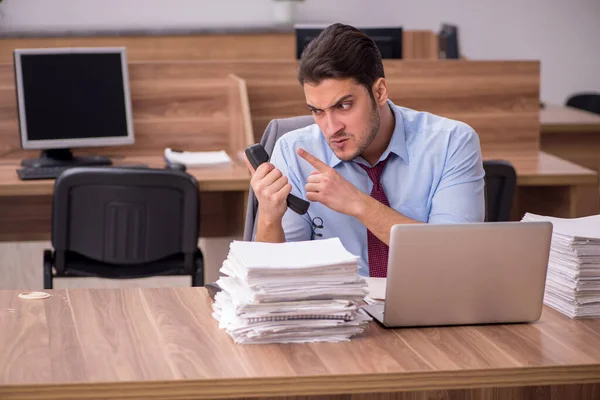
(31, 173)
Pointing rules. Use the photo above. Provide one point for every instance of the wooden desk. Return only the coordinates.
(546, 185)
(233, 178)
(164, 344)
(561, 119)
(573, 135)
(25, 206)
(549, 185)
(543, 169)
(263, 43)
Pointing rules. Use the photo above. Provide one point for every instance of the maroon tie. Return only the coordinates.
(378, 251)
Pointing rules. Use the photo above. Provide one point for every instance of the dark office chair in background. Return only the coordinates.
(500, 186)
(585, 101)
(124, 223)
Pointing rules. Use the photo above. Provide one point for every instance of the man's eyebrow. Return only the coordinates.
(337, 103)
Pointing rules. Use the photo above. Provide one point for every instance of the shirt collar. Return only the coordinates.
(397, 144)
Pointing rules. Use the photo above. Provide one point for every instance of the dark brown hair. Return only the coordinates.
(341, 51)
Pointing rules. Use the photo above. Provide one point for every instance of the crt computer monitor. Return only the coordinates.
(69, 98)
(387, 39)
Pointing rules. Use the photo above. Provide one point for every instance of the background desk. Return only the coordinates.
(573, 135)
(549, 185)
(163, 343)
(546, 185)
(188, 113)
(25, 206)
(556, 119)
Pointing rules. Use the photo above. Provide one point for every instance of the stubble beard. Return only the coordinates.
(372, 129)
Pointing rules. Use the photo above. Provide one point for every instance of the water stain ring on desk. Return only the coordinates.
(34, 295)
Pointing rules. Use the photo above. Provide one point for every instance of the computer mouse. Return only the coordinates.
(176, 166)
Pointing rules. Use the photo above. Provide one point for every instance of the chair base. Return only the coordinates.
(77, 266)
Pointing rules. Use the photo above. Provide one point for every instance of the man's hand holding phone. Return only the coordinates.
(272, 189)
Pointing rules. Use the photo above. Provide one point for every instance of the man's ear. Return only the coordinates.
(380, 92)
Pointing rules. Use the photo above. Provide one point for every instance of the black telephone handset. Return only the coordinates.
(257, 155)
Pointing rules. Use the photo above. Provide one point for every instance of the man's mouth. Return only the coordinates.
(338, 141)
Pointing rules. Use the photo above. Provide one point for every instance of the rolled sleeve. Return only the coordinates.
(459, 197)
(295, 227)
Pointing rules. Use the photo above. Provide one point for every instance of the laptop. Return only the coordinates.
(464, 274)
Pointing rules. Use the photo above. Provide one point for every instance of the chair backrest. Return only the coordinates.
(124, 215)
(585, 101)
(276, 129)
(500, 186)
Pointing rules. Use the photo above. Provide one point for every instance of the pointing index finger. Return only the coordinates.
(312, 160)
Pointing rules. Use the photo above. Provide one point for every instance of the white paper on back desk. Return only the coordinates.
(290, 292)
(573, 279)
(198, 158)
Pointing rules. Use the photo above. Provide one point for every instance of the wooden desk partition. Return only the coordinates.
(417, 44)
(189, 113)
(499, 99)
(420, 45)
(164, 344)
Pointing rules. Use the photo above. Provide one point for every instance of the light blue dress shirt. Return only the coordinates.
(434, 175)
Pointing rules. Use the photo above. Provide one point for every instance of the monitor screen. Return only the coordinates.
(387, 39)
(75, 97)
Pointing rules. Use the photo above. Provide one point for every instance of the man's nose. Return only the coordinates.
(334, 125)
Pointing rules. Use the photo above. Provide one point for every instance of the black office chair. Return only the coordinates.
(124, 223)
(585, 101)
(500, 186)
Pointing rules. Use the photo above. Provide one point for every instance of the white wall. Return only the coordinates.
(564, 35)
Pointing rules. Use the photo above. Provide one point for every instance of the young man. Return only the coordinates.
(366, 164)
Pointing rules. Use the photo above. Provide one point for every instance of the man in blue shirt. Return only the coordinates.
(366, 164)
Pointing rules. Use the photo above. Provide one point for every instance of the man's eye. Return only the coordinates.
(345, 106)
(315, 112)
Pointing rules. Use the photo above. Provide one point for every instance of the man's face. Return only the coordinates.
(346, 114)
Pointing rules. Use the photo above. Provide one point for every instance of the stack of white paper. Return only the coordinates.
(290, 292)
(198, 158)
(573, 281)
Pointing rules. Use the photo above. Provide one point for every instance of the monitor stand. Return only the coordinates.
(64, 158)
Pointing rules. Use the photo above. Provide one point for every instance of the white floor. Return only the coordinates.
(21, 268)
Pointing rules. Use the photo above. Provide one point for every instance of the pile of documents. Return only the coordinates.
(573, 279)
(290, 292)
(198, 158)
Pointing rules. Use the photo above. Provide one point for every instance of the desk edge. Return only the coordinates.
(314, 385)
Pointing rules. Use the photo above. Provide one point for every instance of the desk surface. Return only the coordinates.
(543, 169)
(532, 170)
(142, 343)
(556, 118)
(233, 178)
